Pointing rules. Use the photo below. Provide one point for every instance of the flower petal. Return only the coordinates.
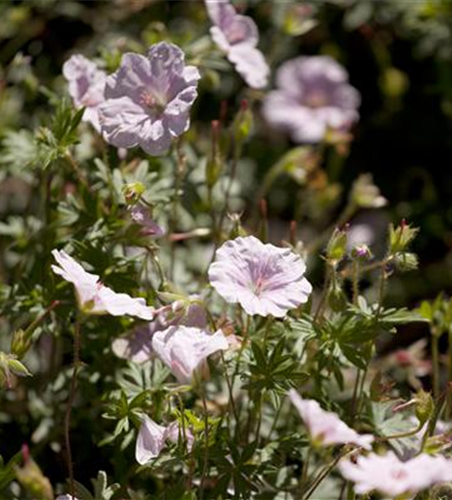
(150, 441)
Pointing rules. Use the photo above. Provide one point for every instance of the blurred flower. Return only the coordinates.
(365, 194)
(392, 477)
(152, 437)
(313, 96)
(94, 297)
(185, 349)
(138, 346)
(142, 216)
(326, 427)
(148, 99)
(66, 497)
(86, 86)
(263, 279)
(237, 36)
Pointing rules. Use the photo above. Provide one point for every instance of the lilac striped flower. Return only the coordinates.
(326, 428)
(237, 36)
(93, 296)
(313, 95)
(263, 279)
(393, 478)
(86, 86)
(184, 350)
(148, 99)
(137, 346)
(152, 438)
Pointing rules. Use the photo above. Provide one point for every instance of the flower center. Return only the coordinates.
(399, 474)
(153, 101)
(258, 286)
(316, 99)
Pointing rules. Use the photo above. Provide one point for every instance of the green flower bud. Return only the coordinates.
(401, 237)
(20, 343)
(133, 192)
(424, 406)
(337, 246)
(242, 125)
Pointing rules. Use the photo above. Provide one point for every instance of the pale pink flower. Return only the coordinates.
(392, 477)
(94, 297)
(137, 346)
(263, 279)
(141, 215)
(152, 438)
(238, 36)
(326, 428)
(66, 497)
(86, 86)
(313, 95)
(185, 349)
(148, 99)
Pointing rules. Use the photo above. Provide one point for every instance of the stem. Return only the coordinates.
(275, 421)
(435, 363)
(179, 169)
(227, 196)
(156, 261)
(381, 290)
(206, 449)
(228, 383)
(449, 376)
(325, 473)
(67, 419)
(304, 475)
(326, 286)
(78, 171)
(355, 394)
(355, 282)
(401, 435)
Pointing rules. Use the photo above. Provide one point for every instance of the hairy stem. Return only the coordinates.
(67, 419)
(206, 449)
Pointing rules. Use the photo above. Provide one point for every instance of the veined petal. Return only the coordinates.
(150, 441)
(122, 121)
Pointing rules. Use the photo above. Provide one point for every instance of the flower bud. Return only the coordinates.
(361, 253)
(20, 343)
(406, 261)
(237, 228)
(242, 125)
(33, 480)
(424, 406)
(400, 237)
(337, 246)
(133, 192)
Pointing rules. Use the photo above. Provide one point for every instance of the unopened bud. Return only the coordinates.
(337, 246)
(401, 237)
(20, 343)
(424, 406)
(133, 192)
(33, 480)
(361, 253)
(242, 125)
